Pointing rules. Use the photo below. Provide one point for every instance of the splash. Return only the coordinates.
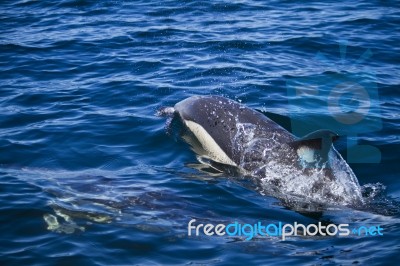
(282, 175)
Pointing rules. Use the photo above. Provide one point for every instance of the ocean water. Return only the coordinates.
(90, 176)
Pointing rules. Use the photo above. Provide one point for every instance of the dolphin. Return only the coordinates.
(224, 132)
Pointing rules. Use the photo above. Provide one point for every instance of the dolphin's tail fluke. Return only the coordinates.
(165, 111)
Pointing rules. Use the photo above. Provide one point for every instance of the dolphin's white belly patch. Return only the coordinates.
(214, 150)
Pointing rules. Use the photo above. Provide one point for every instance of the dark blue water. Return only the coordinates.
(89, 176)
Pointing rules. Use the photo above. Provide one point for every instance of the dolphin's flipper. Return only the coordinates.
(314, 147)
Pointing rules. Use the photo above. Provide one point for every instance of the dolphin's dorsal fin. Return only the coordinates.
(315, 146)
(316, 140)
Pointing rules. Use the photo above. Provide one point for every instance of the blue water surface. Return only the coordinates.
(88, 175)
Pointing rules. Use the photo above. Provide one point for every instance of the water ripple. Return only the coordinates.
(88, 173)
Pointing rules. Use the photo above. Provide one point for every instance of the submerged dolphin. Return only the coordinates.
(228, 133)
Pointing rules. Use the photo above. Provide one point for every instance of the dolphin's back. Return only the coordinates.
(215, 122)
